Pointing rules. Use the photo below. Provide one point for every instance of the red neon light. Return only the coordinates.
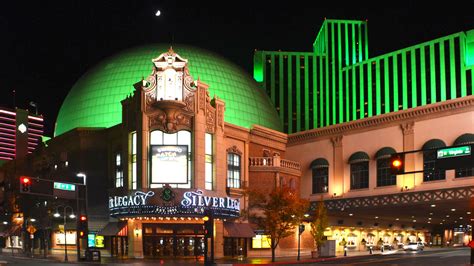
(7, 149)
(6, 134)
(7, 118)
(5, 158)
(7, 125)
(7, 144)
(8, 154)
(8, 112)
(34, 124)
(33, 134)
(36, 130)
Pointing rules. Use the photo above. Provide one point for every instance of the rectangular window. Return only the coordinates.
(209, 162)
(360, 175)
(320, 180)
(384, 175)
(134, 160)
(118, 171)
(430, 172)
(233, 170)
(261, 241)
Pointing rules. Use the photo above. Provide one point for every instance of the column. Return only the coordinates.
(336, 183)
(408, 145)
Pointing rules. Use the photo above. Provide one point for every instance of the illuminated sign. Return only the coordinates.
(197, 199)
(70, 238)
(261, 241)
(137, 199)
(64, 186)
(171, 202)
(169, 164)
(91, 240)
(99, 241)
(453, 152)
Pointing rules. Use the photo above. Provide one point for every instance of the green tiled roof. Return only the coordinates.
(94, 101)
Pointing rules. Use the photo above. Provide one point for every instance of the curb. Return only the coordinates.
(301, 261)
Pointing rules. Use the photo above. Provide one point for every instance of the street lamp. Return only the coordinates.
(72, 216)
(84, 179)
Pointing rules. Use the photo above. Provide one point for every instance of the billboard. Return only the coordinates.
(169, 164)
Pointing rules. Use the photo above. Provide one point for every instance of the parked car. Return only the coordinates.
(414, 246)
(387, 246)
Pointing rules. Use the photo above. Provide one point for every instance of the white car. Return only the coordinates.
(414, 246)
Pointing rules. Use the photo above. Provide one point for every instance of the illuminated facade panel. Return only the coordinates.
(338, 82)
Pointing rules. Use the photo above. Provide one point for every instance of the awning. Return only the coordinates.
(433, 144)
(319, 163)
(112, 228)
(238, 230)
(358, 157)
(384, 153)
(464, 139)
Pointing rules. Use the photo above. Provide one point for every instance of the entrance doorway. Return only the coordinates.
(173, 240)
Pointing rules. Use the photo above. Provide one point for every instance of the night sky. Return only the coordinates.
(46, 46)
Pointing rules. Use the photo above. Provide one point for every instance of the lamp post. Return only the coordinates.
(72, 216)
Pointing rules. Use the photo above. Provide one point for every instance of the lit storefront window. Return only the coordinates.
(134, 160)
(172, 151)
(233, 170)
(118, 171)
(209, 162)
(261, 241)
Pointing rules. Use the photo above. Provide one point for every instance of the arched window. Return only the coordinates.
(320, 175)
(384, 175)
(233, 170)
(170, 159)
(430, 172)
(359, 162)
(464, 139)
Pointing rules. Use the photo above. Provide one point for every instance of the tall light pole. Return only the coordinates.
(72, 216)
(84, 179)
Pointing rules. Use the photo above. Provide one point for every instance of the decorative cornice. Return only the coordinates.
(337, 141)
(408, 128)
(414, 114)
(235, 150)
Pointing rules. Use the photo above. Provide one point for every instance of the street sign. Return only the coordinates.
(64, 186)
(453, 152)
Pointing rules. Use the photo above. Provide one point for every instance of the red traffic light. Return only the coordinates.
(83, 218)
(25, 180)
(397, 163)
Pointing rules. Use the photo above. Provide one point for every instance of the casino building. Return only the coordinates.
(169, 136)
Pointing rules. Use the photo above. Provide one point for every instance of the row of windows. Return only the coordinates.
(359, 174)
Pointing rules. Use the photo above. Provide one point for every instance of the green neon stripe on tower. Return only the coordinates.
(346, 40)
(462, 67)
(339, 84)
(432, 74)
(361, 89)
(258, 67)
(333, 80)
(423, 75)
(359, 27)
(354, 101)
(395, 83)
(306, 93)
(378, 100)
(281, 92)
(315, 94)
(386, 84)
(404, 80)
(366, 41)
(442, 69)
(353, 45)
(452, 68)
(272, 81)
(298, 94)
(327, 81)
(321, 89)
(369, 90)
(414, 101)
(290, 96)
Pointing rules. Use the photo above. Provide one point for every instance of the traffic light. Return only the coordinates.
(208, 226)
(25, 184)
(83, 226)
(397, 163)
(301, 228)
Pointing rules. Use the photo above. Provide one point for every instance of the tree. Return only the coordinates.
(319, 225)
(277, 212)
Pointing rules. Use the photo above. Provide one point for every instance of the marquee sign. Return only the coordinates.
(171, 202)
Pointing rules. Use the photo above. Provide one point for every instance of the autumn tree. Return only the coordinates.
(319, 225)
(277, 212)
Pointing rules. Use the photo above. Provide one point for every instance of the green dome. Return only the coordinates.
(94, 101)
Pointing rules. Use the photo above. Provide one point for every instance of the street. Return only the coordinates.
(444, 256)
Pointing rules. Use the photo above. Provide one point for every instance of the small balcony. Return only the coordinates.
(274, 164)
